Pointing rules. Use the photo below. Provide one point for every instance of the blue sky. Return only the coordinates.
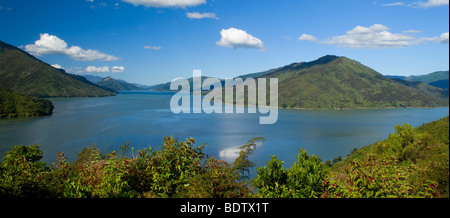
(155, 41)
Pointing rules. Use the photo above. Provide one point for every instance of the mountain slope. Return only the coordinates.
(117, 85)
(443, 84)
(426, 89)
(438, 79)
(338, 82)
(23, 73)
(431, 77)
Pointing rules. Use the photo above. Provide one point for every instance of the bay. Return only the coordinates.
(143, 118)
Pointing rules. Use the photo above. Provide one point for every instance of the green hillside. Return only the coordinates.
(13, 104)
(426, 89)
(412, 162)
(444, 84)
(431, 77)
(333, 82)
(437, 79)
(27, 75)
(117, 85)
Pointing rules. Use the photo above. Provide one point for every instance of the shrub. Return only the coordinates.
(302, 180)
(20, 171)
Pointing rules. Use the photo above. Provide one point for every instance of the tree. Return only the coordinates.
(242, 164)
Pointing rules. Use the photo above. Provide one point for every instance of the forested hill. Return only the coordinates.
(13, 104)
(339, 82)
(23, 73)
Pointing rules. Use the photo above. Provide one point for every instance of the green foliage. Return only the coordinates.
(242, 163)
(218, 179)
(306, 175)
(13, 104)
(375, 177)
(409, 163)
(19, 172)
(176, 170)
(271, 180)
(302, 180)
(164, 173)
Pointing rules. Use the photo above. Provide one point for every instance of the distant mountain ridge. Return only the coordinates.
(333, 82)
(438, 79)
(23, 73)
(118, 85)
(115, 84)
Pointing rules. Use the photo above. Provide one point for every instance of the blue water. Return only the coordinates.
(144, 118)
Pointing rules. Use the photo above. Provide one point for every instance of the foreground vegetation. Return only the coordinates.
(409, 163)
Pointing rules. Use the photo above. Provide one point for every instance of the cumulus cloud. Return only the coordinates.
(443, 38)
(306, 37)
(153, 47)
(117, 69)
(376, 36)
(197, 15)
(93, 69)
(50, 44)
(236, 38)
(166, 3)
(57, 66)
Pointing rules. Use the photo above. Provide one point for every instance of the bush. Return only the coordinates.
(20, 171)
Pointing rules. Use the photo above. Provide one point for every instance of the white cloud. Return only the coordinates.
(90, 69)
(444, 38)
(420, 4)
(57, 66)
(166, 3)
(236, 38)
(49, 44)
(431, 3)
(197, 15)
(376, 36)
(117, 69)
(104, 69)
(411, 31)
(74, 70)
(153, 47)
(306, 37)
(394, 4)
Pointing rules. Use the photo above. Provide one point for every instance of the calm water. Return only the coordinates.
(144, 118)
